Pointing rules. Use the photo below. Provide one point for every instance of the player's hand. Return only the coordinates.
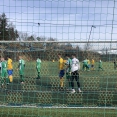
(70, 73)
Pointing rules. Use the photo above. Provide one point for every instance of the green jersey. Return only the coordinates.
(38, 64)
(3, 66)
(68, 63)
(85, 62)
(21, 64)
(100, 63)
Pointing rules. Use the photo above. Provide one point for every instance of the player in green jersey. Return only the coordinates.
(4, 74)
(68, 70)
(85, 65)
(100, 65)
(38, 67)
(21, 68)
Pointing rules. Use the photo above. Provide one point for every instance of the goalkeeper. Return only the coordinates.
(68, 69)
(4, 74)
(21, 67)
(38, 67)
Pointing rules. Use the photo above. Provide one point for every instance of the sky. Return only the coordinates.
(65, 20)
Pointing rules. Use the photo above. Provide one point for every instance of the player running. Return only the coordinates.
(38, 67)
(4, 74)
(61, 72)
(68, 70)
(100, 65)
(21, 68)
(75, 67)
(10, 69)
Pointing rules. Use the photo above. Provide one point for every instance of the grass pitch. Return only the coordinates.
(32, 112)
(99, 89)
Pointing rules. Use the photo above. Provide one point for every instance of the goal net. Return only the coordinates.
(41, 88)
(58, 58)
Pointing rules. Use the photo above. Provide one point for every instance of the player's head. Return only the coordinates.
(59, 55)
(73, 55)
(8, 57)
(2, 58)
(67, 56)
(20, 57)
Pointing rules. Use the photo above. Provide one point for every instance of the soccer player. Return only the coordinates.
(115, 65)
(10, 69)
(4, 71)
(21, 68)
(92, 64)
(75, 67)
(38, 67)
(100, 65)
(85, 65)
(61, 72)
(68, 70)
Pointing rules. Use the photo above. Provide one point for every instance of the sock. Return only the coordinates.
(61, 82)
(11, 78)
(7, 80)
(21, 78)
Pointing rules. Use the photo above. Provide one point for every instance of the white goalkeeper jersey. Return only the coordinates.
(75, 65)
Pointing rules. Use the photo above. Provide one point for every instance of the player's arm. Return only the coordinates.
(24, 63)
(78, 65)
(19, 64)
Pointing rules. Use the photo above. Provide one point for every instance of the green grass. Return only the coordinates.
(99, 89)
(32, 112)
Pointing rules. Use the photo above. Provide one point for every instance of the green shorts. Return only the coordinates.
(21, 72)
(4, 74)
(68, 75)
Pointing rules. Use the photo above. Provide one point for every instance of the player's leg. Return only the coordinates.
(2, 78)
(101, 68)
(38, 75)
(61, 78)
(38, 72)
(21, 73)
(10, 72)
(87, 67)
(72, 82)
(77, 80)
(98, 68)
(93, 67)
(68, 79)
(6, 77)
